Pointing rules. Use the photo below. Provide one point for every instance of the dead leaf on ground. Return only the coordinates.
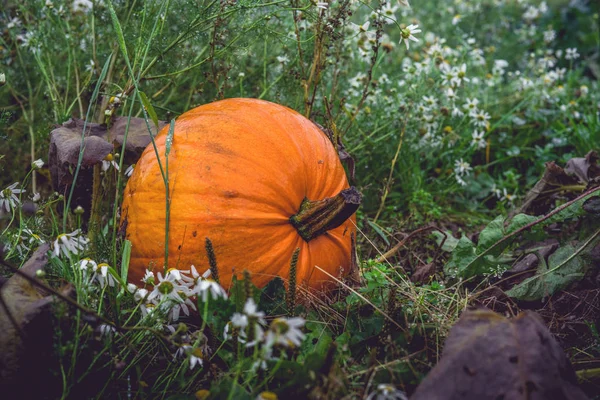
(579, 171)
(541, 198)
(487, 356)
(423, 273)
(26, 329)
(98, 142)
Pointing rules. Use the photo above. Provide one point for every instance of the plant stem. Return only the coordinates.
(319, 216)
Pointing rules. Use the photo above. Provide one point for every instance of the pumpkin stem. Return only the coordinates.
(319, 216)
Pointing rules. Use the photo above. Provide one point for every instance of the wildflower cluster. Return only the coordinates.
(172, 292)
(251, 329)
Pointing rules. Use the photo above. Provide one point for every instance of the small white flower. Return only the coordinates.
(84, 6)
(285, 332)
(91, 66)
(451, 95)
(103, 276)
(471, 104)
(531, 13)
(571, 54)
(323, 5)
(140, 294)
(70, 243)
(549, 36)
(195, 358)
(404, 3)
(461, 167)
(478, 140)
(195, 355)
(131, 288)
(37, 164)
(386, 392)
(206, 287)
(8, 197)
(389, 12)
(129, 170)
(584, 90)
(456, 19)
(174, 274)
(507, 196)
(251, 310)
(176, 309)
(239, 320)
(167, 289)
(148, 277)
(496, 191)
(480, 118)
(107, 331)
(88, 265)
(15, 22)
(283, 59)
(2, 79)
(408, 33)
(109, 161)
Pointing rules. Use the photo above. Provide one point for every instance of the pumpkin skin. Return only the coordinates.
(238, 170)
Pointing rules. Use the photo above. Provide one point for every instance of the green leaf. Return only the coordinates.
(461, 257)
(125, 260)
(379, 231)
(450, 242)
(492, 233)
(152, 113)
(563, 268)
(519, 221)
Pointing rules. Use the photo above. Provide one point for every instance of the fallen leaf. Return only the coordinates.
(561, 270)
(98, 142)
(584, 168)
(487, 356)
(423, 273)
(26, 330)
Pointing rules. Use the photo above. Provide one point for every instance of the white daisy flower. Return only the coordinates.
(148, 277)
(408, 33)
(478, 140)
(461, 167)
(285, 332)
(37, 164)
(166, 289)
(129, 170)
(70, 243)
(206, 287)
(8, 198)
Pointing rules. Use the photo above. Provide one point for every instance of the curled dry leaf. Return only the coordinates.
(26, 329)
(98, 142)
(487, 356)
(584, 168)
(578, 171)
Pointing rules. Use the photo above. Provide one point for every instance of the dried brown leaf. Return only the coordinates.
(487, 356)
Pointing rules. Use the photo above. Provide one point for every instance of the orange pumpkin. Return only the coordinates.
(256, 178)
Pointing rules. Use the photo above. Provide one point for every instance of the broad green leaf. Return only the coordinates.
(562, 269)
(492, 233)
(450, 242)
(462, 255)
(519, 221)
(150, 109)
